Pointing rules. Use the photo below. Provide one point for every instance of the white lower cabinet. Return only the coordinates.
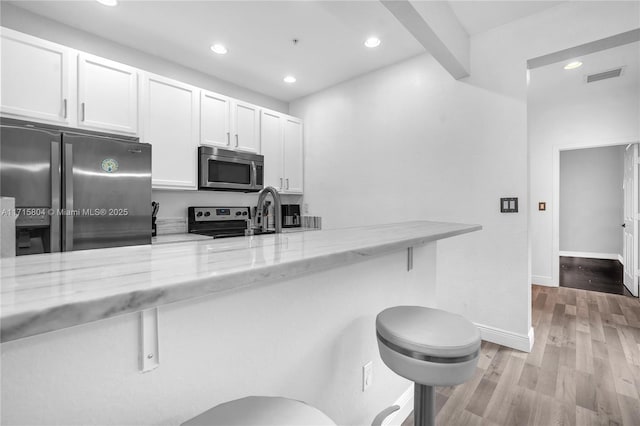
(171, 127)
(282, 147)
(35, 78)
(107, 95)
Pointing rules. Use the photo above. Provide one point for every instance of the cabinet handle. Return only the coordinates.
(287, 179)
(82, 105)
(228, 138)
(64, 107)
(237, 140)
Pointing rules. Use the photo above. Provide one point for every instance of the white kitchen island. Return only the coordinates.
(286, 314)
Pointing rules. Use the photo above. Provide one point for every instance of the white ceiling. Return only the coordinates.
(552, 82)
(480, 15)
(259, 34)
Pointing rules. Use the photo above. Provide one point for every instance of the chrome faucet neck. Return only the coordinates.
(277, 207)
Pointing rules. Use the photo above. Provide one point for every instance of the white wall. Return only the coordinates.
(409, 142)
(305, 338)
(592, 200)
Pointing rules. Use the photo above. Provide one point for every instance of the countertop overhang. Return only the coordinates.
(47, 292)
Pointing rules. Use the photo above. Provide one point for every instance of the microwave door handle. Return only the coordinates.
(254, 168)
(68, 198)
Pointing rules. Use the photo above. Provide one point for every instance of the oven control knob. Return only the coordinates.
(238, 213)
(207, 214)
(199, 214)
(244, 213)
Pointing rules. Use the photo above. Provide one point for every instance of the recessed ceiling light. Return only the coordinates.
(289, 79)
(108, 2)
(573, 65)
(372, 42)
(219, 49)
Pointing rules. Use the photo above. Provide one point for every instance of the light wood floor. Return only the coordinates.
(584, 368)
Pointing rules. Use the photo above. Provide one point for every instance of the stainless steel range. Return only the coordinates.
(218, 222)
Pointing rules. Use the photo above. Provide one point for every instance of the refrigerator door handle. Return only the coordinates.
(54, 218)
(67, 239)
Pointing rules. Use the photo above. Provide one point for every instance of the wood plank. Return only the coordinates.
(629, 345)
(549, 371)
(584, 352)
(481, 397)
(504, 396)
(606, 398)
(566, 393)
(584, 417)
(630, 409)
(585, 391)
(622, 374)
(529, 376)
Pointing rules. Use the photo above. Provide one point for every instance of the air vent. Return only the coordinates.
(604, 75)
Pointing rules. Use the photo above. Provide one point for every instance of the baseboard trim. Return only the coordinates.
(542, 280)
(405, 402)
(591, 255)
(502, 337)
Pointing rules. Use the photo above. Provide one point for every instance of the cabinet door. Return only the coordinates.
(246, 120)
(107, 95)
(271, 144)
(293, 156)
(214, 120)
(171, 127)
(35, 78)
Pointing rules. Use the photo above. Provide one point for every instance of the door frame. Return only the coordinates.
(555, 226)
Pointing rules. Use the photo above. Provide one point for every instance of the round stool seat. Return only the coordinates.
(428, 346)
(261, 411)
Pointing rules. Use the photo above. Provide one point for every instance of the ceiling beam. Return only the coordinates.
(585, 49)
(437, 28)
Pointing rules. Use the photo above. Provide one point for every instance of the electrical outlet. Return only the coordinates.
(367, 375)
(305, 208)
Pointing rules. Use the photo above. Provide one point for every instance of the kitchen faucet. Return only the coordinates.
(277, 210)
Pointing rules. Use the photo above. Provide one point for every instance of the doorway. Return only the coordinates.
(595, 194)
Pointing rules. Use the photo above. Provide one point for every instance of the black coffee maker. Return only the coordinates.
(291, 216)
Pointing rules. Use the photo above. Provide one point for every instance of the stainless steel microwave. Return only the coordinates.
(225, 170)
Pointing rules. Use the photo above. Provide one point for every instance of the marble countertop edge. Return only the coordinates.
(17, 323)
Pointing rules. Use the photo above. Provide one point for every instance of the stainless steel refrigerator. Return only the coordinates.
(74, 190)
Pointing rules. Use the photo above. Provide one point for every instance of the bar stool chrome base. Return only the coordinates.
(424, 405)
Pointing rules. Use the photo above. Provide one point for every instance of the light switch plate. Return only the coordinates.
(509, 205)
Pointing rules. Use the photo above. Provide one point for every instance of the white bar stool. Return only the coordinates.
(261, 411)
(431, 348)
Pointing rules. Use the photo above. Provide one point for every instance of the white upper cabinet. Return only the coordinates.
(171, 127)
(246, 127)
(107, 95)
(215, 120)
(271, 142)
(293, 155)
(35, 78)
(282, 147)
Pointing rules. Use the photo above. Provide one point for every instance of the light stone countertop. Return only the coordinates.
(47, 292)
